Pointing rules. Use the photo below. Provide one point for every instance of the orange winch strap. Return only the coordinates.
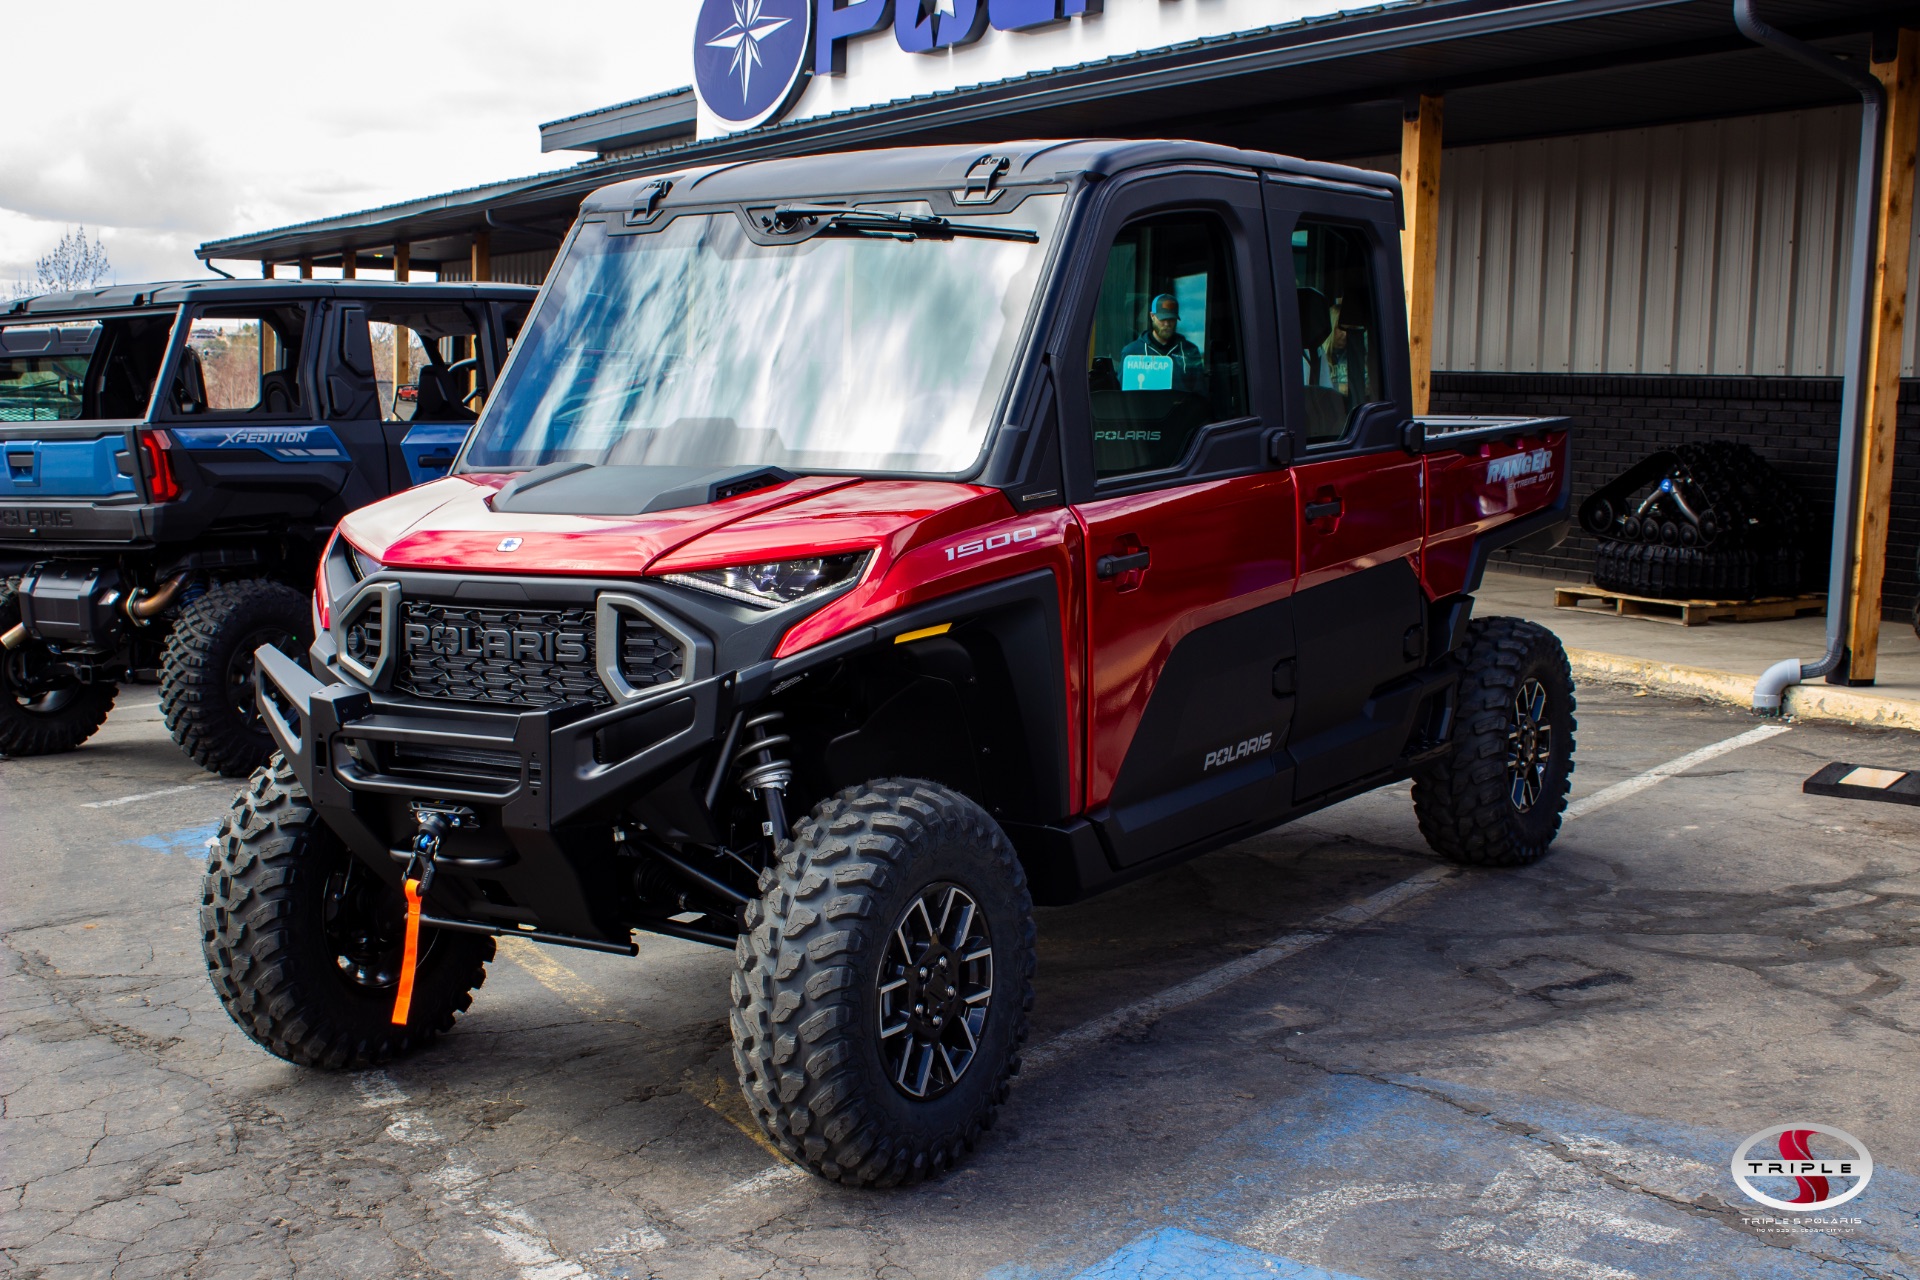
(403, 997)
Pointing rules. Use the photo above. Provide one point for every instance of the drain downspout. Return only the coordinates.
(1853, 397)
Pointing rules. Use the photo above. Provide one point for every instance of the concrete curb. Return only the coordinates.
(1802, 701)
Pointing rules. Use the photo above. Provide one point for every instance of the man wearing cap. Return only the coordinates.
(1162, 338)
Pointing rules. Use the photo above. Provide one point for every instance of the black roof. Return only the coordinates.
(171, 293)
(895, 169)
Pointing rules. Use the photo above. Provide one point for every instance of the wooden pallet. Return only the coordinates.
(1688, 613)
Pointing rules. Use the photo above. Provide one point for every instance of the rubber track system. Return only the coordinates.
(261, 932)
(196, 694)
(46, 733)
(1461, 800)
(803, 1021)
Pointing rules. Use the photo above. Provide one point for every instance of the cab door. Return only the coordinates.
(1359, 608)
(1189, 528)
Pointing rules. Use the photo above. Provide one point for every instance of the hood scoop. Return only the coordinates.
(581, 489)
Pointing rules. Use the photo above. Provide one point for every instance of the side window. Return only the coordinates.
(1340, 359)
(417, 355)
(241, 361)
(1165, 358)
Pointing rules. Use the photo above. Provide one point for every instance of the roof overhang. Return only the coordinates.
(1327, 88)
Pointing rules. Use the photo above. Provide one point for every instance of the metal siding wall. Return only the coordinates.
(1710, 248)
(508, 268)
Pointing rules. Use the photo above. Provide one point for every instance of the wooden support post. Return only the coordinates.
(266, 269)
(402, 340)
(1893, 233)
(1420, 242)
(482, 255)
(306, 266)
(349, 263)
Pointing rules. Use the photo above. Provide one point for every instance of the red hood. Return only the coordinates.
(450, 525)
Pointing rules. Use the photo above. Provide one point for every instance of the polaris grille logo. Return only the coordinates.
(1239, 751)
(568, 647)
(1518, 465)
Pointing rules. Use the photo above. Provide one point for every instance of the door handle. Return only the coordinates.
(1328, 510)
(1114, 566)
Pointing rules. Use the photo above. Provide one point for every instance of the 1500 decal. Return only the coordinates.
(992, 542)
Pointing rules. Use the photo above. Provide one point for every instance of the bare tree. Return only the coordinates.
(75, 263)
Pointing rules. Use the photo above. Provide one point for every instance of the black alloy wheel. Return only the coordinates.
(365, 925)
(934, 991)
(1495, 798)
(206, 673)
(863, 1056)
(1529, 746)
(40, 713)
(303, 942)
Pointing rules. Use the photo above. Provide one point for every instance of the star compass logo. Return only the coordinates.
(751, 57)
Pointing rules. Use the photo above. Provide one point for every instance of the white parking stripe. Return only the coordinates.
(145, 795)
(1336, 922)
(1640, 782)
(512, 1230)
(1291, 944)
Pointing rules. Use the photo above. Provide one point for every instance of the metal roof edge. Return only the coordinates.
(1347, 33)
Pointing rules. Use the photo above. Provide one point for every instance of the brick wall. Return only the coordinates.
(1794, 423)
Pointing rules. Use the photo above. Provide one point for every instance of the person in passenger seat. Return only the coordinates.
(1163, 338)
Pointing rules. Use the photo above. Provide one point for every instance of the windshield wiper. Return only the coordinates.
(835, 220)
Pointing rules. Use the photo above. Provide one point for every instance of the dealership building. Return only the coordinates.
(1623, 211)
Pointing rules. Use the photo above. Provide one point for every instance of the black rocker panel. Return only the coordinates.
(1359, 634)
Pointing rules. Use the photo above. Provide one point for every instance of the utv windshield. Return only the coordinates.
(694, 346)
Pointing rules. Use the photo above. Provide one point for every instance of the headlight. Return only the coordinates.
(775, 582)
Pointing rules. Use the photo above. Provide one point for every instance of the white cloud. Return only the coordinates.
(163, 126)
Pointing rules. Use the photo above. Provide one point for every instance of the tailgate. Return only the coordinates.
(1488, 480)
(42, 461)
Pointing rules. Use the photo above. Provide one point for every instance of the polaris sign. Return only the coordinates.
(752, 58)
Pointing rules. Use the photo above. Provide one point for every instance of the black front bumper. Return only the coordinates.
(366, 760)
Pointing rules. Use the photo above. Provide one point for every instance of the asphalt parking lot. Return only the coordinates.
(1316, 1053)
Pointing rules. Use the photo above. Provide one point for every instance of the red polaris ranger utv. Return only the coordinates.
(858, 549)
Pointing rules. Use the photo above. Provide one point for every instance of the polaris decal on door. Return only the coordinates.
(1239, 751)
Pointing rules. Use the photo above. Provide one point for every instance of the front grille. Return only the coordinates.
(648, 655)
(504, 657)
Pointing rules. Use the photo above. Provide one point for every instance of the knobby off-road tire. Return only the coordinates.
(823, 941)
(40, 722)
(206, 673)
(1495, 800)
(303, 943)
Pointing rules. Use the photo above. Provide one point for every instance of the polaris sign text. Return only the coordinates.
(752, 58)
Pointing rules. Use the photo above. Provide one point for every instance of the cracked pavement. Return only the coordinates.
(1540, 1072)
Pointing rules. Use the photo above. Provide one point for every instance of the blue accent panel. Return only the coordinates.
(430, 448)
(1173, 1254)
(63, 468)
(282, 444)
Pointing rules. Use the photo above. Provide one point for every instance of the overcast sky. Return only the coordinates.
(162, 124)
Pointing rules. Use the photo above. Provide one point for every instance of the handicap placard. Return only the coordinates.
(1146, 373)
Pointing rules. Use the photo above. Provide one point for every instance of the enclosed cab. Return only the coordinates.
(861, 548)
(175, 457)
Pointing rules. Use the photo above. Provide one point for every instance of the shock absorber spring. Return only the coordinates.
(767, 774)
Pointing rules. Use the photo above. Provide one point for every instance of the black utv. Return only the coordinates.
(175, 456)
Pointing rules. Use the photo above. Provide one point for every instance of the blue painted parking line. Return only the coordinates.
(188, 840)
(1411, 1178)
(1174, 1254)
